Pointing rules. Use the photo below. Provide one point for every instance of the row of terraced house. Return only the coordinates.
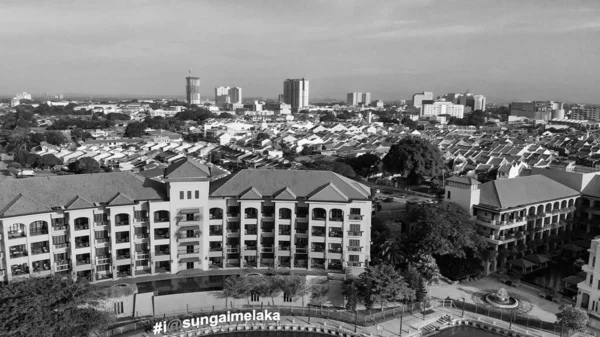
(119, 225)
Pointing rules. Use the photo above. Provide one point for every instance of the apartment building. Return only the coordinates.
(119, 225)
(510, 211)
(436, 108)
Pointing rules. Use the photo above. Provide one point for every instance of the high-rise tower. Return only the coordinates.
(192, 90)
(295, 93)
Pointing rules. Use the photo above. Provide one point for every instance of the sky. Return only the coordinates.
(505, 50)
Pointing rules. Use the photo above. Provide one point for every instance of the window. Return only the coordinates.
(354, 243)
(197, 194)
(353, 258)
(254, 297)
(591, 279)
(61, 239)
(119, 308)
(355, 228)
(268, 210)
(287, 298)
(448, 194)
(103, 267)
(355, 211)
(141, 263)
(189, 194)
(141, 214)
(181, 195)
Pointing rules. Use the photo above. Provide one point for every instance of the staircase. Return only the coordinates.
(437, 324)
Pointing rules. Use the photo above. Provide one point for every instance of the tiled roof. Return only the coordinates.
(522, 191)
(303, 184)
(40, 194)
(187, 168)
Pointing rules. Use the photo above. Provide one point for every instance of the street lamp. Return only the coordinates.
(355, 318)
(511, 319)
(401, 318)
(463, 308)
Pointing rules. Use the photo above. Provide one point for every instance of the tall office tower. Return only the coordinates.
(192, 90)
(236, 95)
(358, 98)
(420, 97)
(295, 93)
(479, 102)
(222, 95)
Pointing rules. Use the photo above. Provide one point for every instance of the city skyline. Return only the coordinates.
(507, 50)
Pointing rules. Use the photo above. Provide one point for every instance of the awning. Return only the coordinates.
(190, 243)
(522, 263)
(189, 211)
(573, 279)
(189, 259)
(189, 228)
(572, 247)
(537, 258)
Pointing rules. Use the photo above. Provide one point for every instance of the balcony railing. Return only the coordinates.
(143, 255)
(354, 249)
(101, 223)
(188, 252)
(215, 249)
(284, 248)
(215, 216)
(83, 262)
(161, 219)
(249, 247)
(335, 250)
(317, 249)
(301, 231)
(141, 236)
(161, 236)
(233, 215)
(105, 259)
(355, 216)
(82, 244)
(233, 249)
(82, 227)
(337, 218)
(60, 227)
(319, 217)
(250, 216)
(123, 256)
(122, 240)
(18, 253)
(162, 252)
(122, 223)
(355, 233)
(266, 250)
(318, 233)
(16, 235)
(61, 245)
(233, 231)
(215, 233)
(301, 250)
(40, 232)
(251, 232)
(267, 230)
(288, 232)
(354, 264)
(139, 220)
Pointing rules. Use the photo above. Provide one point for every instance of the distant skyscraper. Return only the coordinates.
(358, 98)
(420, 97)
(236, 94)
(222, 96)
(479, 102)
(192, 90)
(295, 93)
(23, 95)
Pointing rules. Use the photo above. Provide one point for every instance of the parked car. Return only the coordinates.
(387, 192)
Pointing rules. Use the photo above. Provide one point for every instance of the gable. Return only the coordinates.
(285, 194)
(79, 203)
(120, 199)
(22, 204)
(251, 194)
(328, 192)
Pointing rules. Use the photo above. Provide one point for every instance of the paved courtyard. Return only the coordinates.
(541, 309)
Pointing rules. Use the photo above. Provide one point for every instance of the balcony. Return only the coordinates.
(233, 249)
(104, 259)
(82, 227)
(233, 215)
(216, 233)
(39, 250)
(161, 219)
(354, 264)
(82, 244)
(123, 256)
(301, 231)
(267, 249)
(335, 234)
(355, 217)
(188, 252)
(102, 223)
(162, 252)
(18, 253)
(142, 236)
(267, 230)
(318, 232)
(13, 235)
(57, 228)
(250, 248)
(250, 215)
(142, 255)
(189, 220)
(140, 221)
(355, 233)
(38, 232)
(61, 245)
(285, 232)
(355, 249)
(284, 248)
(301, 250)
(250, 231)
(215, 249)
(83, 262)
(122, 223)
(317, 249)
(61, 265)
(161, 236)
(233, 231)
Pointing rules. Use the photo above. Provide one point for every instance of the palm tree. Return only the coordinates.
(393, 252)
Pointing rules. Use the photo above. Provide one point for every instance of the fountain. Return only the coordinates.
(501, 299)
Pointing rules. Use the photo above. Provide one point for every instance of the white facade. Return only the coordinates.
(358, 98)
(23, 95)
(443, 108)
(193, 90)
(479, 102)
(420, 97)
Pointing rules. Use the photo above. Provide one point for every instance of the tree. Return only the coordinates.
(80, 134)
(293, 286)
(350, 292)
(446, 228)
(58, 306)
(265, 286)
(386, 284)
(365, 164)
(113, 116)
(409, 123)
(327, 117)
(85, 165)
(48, 160)
(573, 318)
(393, 252)
(235, 287)
(55, 138)
(319, 291)
(261, 136)
(135, 129)
(414, 158)
(427, 268)
(25, 158)
(421, 290)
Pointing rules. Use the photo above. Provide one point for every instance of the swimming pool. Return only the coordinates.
(465, 331)
(183, 285)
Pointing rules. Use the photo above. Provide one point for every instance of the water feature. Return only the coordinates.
(183, 285)
(501, 299)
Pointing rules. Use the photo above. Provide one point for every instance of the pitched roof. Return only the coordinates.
(301, 183)
(21, 204)
(185, 169)
(328, 192)
(42, 193)
(120, 199)
(522, 191)
(78, 203)
(593, 188)
(464, 180)
(285, 194)
(251, 194)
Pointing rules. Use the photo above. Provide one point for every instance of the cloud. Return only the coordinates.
(588, 26)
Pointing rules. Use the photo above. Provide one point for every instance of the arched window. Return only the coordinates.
(251, 213)
(336, 215)
(82, 223)
(319, 214)
(531, 211)
(38, 228)
(215, 213)
(122, 219)
(161, 216)
(285, 213)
